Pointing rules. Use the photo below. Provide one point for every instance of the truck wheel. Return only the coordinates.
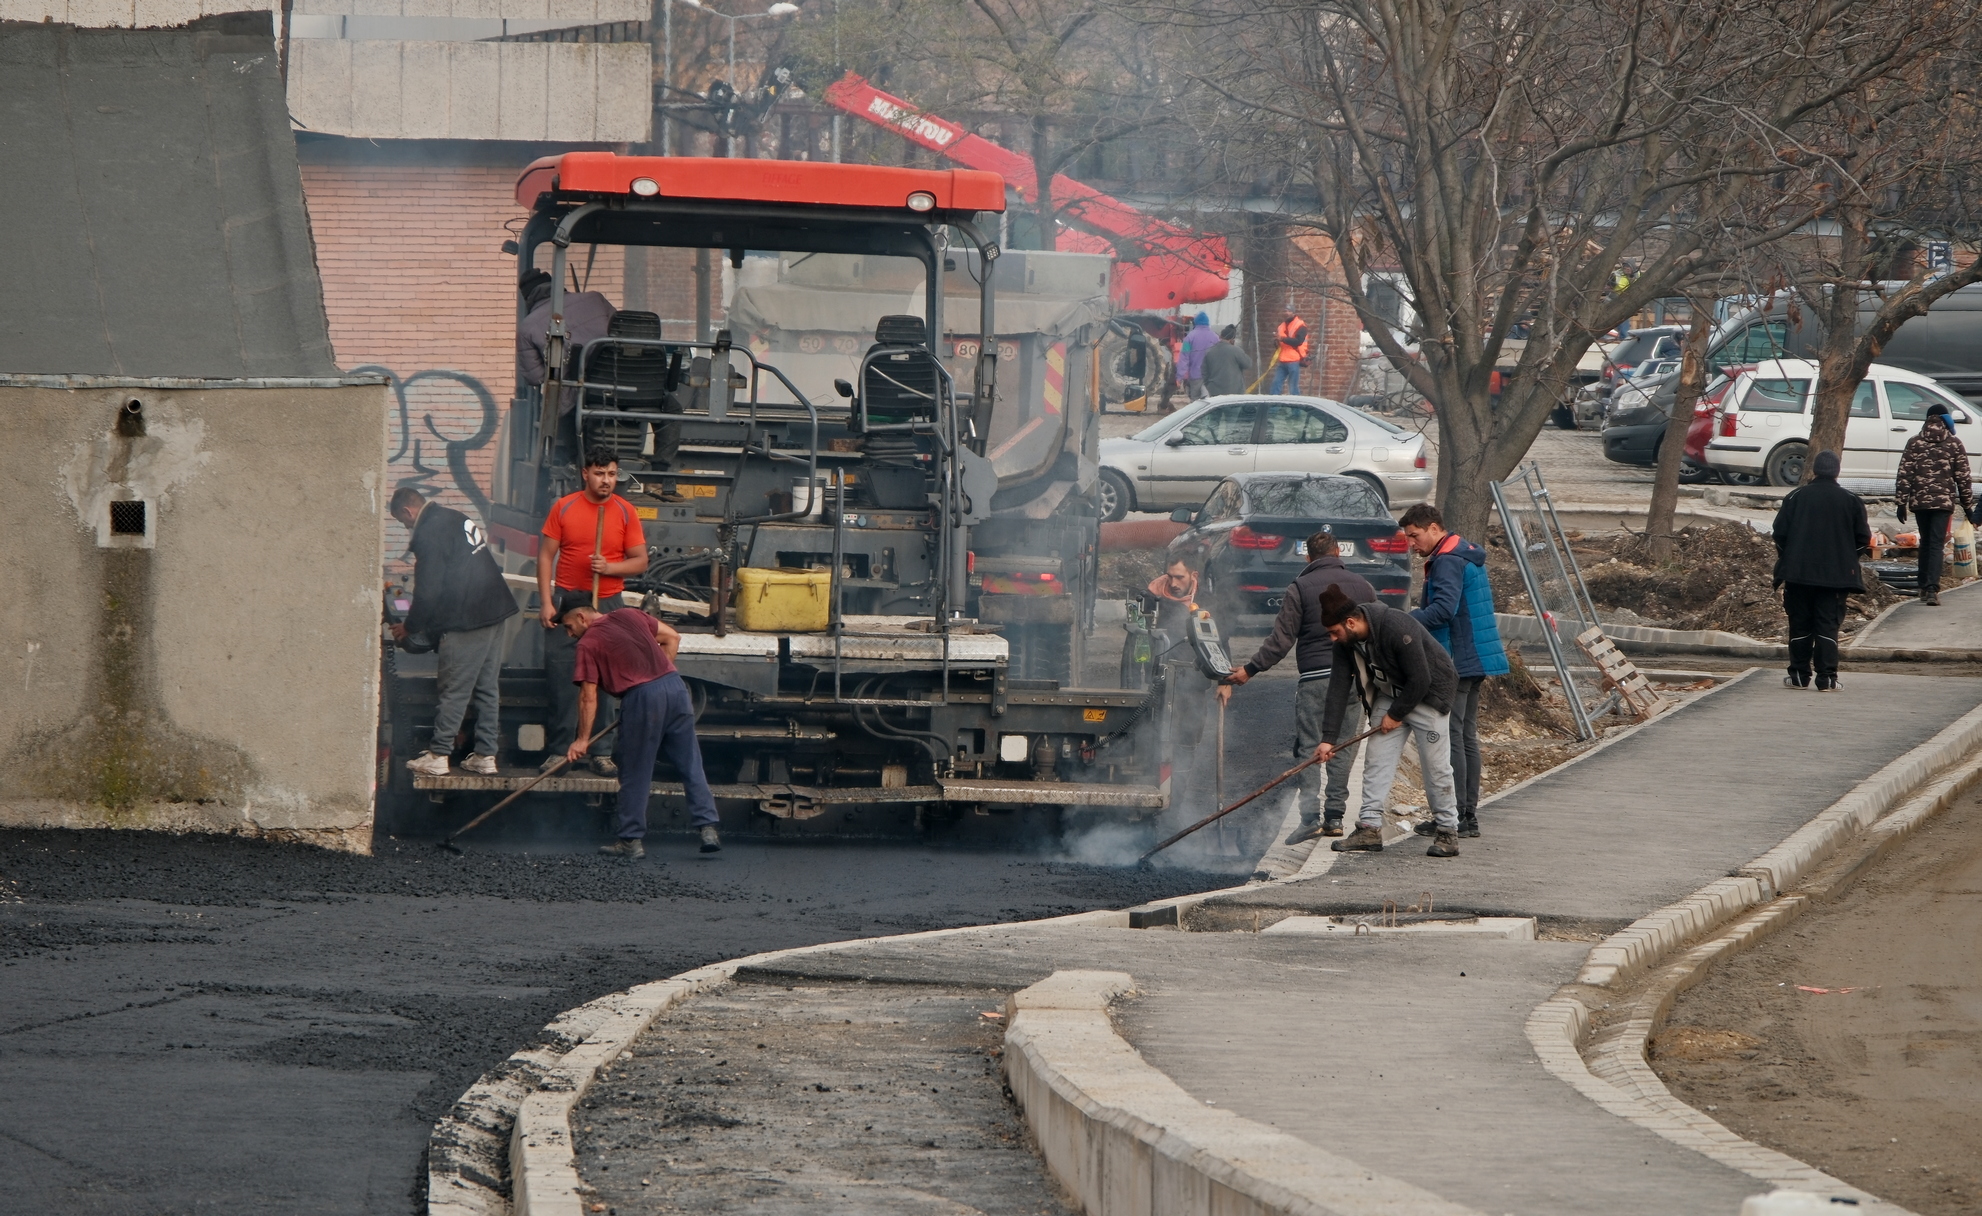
(1564, 417)
(1116, 496)
(1785, 466)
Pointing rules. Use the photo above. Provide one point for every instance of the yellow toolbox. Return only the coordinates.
(783, 601)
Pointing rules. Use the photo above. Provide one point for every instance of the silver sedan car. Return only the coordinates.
(1177, 461)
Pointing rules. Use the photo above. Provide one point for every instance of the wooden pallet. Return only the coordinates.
(1620, 673)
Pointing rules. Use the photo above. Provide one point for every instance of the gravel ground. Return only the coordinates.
(811, 1097)
(1878, 1079)
(213, 1025)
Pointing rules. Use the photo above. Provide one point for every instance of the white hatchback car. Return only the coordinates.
(1177, 461)
(1763, 424)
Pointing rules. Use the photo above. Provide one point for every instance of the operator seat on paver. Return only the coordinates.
(901, 385)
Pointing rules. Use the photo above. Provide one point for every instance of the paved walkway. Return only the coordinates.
(1955, 625)
(1409, 1055)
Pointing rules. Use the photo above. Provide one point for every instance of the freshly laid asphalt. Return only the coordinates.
(1953, 624)
(210, 1025)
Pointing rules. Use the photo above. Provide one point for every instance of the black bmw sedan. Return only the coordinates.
(1248, 537)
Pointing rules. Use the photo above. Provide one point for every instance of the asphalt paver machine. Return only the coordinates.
(938, 538)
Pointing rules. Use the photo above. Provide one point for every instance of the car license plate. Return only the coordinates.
(1348, 547)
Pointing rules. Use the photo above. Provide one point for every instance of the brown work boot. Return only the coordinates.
(632, 850)
(1445, 844)
(1931, 597)
(1364, 839)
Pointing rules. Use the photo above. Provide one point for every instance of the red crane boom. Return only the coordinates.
(1159, 266)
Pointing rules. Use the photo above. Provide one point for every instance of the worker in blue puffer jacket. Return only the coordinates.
(1456, 606)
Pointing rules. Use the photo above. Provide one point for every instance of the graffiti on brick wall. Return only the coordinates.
(457, 417)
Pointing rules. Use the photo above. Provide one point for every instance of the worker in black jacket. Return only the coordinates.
(1820, 530)
(1299, 628)
(460, 599)
(1406, 682)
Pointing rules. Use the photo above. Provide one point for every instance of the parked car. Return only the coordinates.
(1763, 426)
(1248, 539)
(1621, 361)
(1946, 344)
(1638, 441)
(1178, 461)
(1693, 466)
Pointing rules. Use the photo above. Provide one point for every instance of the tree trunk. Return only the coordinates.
(1465, 435)
(1665, 478)
(1042, 190)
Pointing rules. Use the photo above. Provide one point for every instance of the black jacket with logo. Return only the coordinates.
(456, 583)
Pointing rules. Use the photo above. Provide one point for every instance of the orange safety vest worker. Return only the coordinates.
(1294, 341)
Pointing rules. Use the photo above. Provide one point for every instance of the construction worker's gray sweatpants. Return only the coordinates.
(1381, 754)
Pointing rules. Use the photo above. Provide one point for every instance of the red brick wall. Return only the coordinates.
(1300, 269)
(415, 282)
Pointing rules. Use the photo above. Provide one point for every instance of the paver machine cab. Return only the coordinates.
(866, 521)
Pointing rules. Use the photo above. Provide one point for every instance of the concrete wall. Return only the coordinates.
(424, 71)
(217, 670)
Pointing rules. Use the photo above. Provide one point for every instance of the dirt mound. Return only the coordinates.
(1719, 577)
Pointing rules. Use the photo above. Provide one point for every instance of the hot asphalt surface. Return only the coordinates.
(208, 1025)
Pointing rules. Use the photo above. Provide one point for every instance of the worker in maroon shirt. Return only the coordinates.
(631, 655)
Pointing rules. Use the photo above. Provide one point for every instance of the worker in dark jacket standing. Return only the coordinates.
(1934, 482)
(1405, 681)
(1299, 628)
(1226, 366)
(1457, 606)
(631, 656)
(1820, 530)
(460, 599)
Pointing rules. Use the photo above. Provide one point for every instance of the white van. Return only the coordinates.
(1763, 424)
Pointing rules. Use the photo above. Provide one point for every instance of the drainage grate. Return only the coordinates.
(127, 519)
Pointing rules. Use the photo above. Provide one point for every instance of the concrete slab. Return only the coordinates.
(1647, 819)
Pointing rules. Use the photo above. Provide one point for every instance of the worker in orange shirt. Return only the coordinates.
(591, 540)
(1293, 335)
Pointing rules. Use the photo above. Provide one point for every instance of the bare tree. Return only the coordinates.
(1665, 476)
(1893, 169)
(1504, 160)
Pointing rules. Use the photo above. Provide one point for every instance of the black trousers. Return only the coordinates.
(560, 662)
(1815, 615)
(1466, 745)
(1933, 546)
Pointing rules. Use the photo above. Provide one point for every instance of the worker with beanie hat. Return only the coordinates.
(1406, 682)
(1820, 530)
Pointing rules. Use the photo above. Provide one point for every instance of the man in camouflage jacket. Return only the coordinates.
(1934, 480)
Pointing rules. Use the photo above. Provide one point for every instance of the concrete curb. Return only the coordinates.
(525, 1103)
(1129, 1141)
(1740, 910)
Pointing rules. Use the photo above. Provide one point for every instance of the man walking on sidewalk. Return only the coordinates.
(1933, 481)
(591, 539)
(1820, 530)
(1456, 605)
(1405, 680)
(631, 656)
(1299, 628)
(460, 599)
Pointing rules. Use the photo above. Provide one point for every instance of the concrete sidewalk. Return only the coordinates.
(1955, 625)
(1412, 1056)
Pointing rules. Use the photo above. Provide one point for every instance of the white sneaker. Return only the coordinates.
(429, 764)
(480, 765)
